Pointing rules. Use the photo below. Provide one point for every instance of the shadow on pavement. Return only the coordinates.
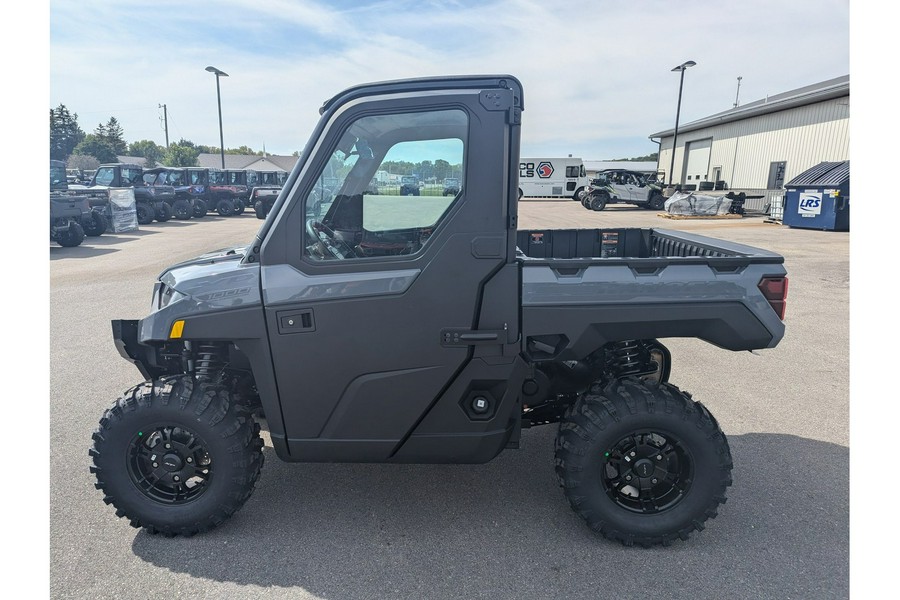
(505, 530)
(85, 250)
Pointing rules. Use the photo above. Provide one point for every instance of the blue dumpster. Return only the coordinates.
(819, 198)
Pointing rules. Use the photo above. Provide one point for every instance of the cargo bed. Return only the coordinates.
(618, 284)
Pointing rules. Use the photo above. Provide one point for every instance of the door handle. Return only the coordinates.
(470, 337)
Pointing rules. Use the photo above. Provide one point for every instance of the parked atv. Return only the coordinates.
(92, 219)
(65, 218)
(151, 202)
(619, 185)
(184, 205)
(222, 188)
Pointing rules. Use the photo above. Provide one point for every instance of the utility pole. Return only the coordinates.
(737, 95)
(165, 123)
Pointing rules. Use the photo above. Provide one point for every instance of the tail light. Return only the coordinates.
(775, 290)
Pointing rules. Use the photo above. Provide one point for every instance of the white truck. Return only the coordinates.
(552, 178)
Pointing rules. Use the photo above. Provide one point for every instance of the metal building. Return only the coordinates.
(759, 146)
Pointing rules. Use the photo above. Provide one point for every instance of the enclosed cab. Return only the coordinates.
(409, 185)
(451, 186)
(552, 178)
(430, 329)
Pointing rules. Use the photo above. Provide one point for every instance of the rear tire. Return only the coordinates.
(238, 206)
(260, 209)
(145, 213)
(200, 208)
(182, 209)
(204, 475)
(95, 224)
(71, 237)
(642, 464)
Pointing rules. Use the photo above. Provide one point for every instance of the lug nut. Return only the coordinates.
(659, 457)
(168, 445)
(632, 453)
(628, 478)
(176, 478)
(654, 480)
(189, 459)
(155, 465)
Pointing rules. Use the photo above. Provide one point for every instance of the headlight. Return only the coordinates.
(167, 295)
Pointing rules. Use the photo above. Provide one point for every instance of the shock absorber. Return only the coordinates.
(626, 358)
(210, 360)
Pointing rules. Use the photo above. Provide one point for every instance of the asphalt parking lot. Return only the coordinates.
(499, 530)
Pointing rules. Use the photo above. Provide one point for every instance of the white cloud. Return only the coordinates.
(596, 75)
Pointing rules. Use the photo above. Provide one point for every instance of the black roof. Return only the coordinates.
(823, 174)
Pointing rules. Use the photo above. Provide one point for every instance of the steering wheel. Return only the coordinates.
(328, 242)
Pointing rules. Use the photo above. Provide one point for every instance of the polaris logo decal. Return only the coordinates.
(545, 170)
(810, 204)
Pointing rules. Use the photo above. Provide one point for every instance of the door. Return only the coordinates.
(367, 293)
(776, 175)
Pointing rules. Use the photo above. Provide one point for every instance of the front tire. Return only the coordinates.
(225, 207)
(182, 209)
(162, 212)
(598, 202)
(176, 457)
(642, 464)
(260, 209)
(656, 202)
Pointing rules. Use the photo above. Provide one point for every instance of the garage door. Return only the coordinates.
(697, 161)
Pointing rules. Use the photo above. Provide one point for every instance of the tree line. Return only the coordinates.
(80, 150)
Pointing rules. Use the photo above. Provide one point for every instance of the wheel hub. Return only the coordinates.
(169, 464)
(172, 462)
(646, 472)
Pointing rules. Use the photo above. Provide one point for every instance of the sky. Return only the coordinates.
(596, 75)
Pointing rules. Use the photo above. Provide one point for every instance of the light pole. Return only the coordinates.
(682, 67)
(218, 74)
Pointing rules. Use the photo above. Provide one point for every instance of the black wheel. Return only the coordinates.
(642, 464)
(182, 209)
(259, 209)
(94, 224)
(656, 202)
(225, 207)
(70, 237)
(238, 206)
(145, 213)
(598, 201)
(579, 193)
(200, 208)
(162, 212)
(175, 457)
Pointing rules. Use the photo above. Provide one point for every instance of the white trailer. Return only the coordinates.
(552, 178)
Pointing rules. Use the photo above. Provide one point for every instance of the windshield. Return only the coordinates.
(57, 175)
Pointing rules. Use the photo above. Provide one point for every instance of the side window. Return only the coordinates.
(572, 171)
(381, 192)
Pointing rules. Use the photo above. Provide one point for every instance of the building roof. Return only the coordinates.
(810, 94)
(133, 160)
(268, 162)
